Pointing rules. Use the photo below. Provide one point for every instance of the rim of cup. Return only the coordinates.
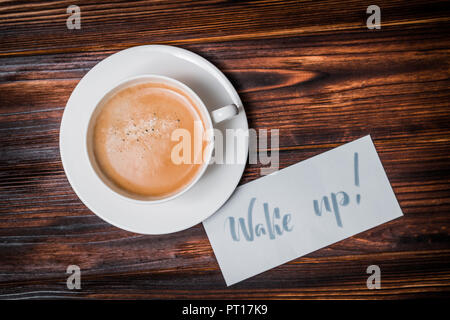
(118, 191)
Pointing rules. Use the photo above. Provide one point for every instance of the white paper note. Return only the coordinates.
(300, 209)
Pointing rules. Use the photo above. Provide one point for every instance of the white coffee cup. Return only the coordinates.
(216, 116)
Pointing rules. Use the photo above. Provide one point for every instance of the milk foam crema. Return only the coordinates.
(132, 139)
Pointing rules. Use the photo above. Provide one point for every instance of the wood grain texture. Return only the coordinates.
(311, 69)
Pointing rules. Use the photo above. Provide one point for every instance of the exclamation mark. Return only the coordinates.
(356, 165)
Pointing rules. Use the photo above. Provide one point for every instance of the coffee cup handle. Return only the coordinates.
(224, 113)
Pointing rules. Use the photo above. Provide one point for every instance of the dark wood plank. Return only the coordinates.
(117, 24)
(310, 69)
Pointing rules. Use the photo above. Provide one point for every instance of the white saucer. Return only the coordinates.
(192, 207)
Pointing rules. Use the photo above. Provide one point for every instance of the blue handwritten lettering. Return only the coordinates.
(275, 224)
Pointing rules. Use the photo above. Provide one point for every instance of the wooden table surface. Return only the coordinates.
(311, 69)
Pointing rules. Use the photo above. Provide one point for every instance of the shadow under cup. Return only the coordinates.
(197, 107)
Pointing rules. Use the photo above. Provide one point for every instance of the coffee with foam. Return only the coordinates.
(132, 143)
